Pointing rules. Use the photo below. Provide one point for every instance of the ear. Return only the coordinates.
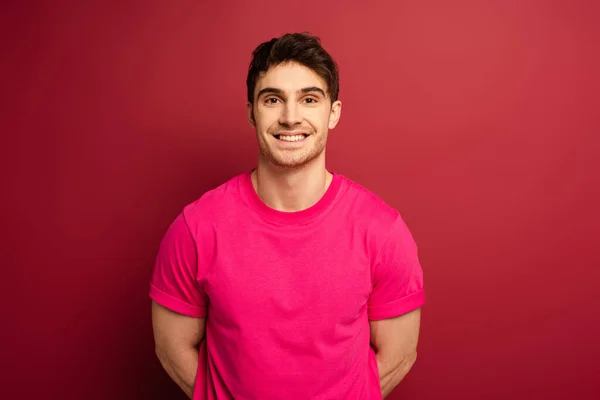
(335, 114)
(251, 114)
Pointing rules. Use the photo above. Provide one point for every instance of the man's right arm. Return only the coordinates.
(177, 338)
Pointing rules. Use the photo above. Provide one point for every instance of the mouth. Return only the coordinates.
(291, 137)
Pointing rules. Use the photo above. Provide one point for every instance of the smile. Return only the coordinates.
(291, 138)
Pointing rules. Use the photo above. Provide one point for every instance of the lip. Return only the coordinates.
(291, 133)
(295, 144)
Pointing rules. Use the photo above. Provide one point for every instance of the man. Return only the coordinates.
(289, 281)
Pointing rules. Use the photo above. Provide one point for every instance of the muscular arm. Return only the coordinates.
(395, 343)
(177, 338)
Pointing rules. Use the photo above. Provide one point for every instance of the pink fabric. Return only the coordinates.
(288, 296)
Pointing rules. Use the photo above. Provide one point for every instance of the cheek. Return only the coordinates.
(322, 120)
(266, 119)
(316, 117)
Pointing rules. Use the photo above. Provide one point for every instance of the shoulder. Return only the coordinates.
(363, 203)
(214, 205)
(380, 222)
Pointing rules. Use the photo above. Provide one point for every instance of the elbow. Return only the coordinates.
(397, 373)
(409, 362)
(407, 365)
(404, 367)
(161, 355)
(398, 369)
(413, 358)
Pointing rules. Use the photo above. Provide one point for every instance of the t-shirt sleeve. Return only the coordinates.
(174, 283)
(397, 276)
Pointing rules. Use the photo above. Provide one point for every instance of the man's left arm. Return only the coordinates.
(395, 343)
(395, 303)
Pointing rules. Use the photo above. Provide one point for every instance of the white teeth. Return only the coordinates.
(288, 138)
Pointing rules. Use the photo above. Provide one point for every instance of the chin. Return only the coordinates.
(291, 159)
(293, 162)
(289, 164)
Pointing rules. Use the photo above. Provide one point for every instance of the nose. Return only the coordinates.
(290, 115)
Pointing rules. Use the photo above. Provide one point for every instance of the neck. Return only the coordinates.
(293, 189)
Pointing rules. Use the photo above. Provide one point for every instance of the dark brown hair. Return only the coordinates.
(302, 48)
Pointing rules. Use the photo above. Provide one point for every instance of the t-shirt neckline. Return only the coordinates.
(290, 217)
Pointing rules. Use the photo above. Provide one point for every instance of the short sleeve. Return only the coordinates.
(397, 280)
(174, 282)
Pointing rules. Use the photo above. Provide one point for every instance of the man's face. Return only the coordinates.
(292, 115)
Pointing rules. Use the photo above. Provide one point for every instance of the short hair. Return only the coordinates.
(302, 48)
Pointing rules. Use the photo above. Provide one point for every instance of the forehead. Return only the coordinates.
(289, 77)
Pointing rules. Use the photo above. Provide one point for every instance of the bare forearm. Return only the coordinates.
(392, 373)
(182, 368)
(388, 383)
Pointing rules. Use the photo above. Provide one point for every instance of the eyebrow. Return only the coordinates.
(303, 90)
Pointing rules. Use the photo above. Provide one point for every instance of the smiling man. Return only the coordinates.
(289, 281)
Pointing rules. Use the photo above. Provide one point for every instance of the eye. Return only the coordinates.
(271, 100)
(310, 100)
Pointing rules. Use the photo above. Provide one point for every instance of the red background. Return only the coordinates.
(478, 120)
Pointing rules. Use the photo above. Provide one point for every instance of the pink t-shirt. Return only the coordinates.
(288, 296)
